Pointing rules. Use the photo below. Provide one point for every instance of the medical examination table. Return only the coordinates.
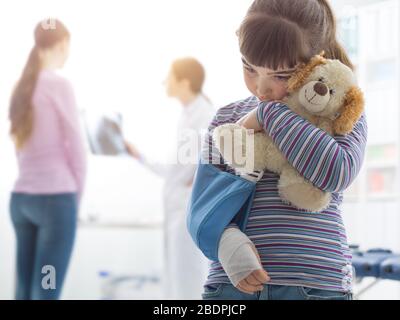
(380, 264)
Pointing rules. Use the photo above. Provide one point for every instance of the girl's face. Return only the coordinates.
(264, 83)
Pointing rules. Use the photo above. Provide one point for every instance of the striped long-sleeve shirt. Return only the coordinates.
(297, 248)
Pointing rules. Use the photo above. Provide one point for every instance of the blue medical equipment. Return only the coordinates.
(390, 268)
(367, 264)
(380, 264)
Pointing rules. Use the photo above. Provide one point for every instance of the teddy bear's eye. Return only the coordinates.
(332, 91)
(321, 79)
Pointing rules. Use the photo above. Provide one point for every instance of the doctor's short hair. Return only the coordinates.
(190, 69)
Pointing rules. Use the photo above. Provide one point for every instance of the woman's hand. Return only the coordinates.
(255, 281)
(250, 121)
(133, 152)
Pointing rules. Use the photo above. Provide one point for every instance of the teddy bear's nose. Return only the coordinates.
(320, 89)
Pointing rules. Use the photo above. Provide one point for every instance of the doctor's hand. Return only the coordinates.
(133, 152)
(255, 281)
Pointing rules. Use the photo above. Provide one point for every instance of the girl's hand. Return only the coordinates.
(250, 121)
(255, 281)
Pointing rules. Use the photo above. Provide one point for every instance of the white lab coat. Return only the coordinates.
(186, 267)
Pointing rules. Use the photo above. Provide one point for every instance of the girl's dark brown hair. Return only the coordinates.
(282, 33)
(21, 111)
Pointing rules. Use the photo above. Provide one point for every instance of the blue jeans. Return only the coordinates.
(45, 227)
(272, 292)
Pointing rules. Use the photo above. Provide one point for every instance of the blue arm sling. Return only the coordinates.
(217, 199)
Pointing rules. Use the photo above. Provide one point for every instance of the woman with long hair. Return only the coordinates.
(52, 166)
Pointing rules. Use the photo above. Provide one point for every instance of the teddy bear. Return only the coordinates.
(322, 91)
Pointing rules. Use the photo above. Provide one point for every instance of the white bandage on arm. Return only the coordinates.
(235, 252)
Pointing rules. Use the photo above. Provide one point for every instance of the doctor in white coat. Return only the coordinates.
(185, 266)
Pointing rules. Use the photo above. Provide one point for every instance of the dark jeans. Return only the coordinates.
(45, 227)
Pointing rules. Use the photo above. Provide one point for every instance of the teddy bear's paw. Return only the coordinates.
(305, 196)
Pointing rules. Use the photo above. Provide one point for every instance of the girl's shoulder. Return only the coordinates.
(236, 110)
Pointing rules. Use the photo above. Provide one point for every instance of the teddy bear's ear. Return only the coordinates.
(350, 112)
(297, 80)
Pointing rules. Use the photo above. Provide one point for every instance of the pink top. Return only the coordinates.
(53, 160)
